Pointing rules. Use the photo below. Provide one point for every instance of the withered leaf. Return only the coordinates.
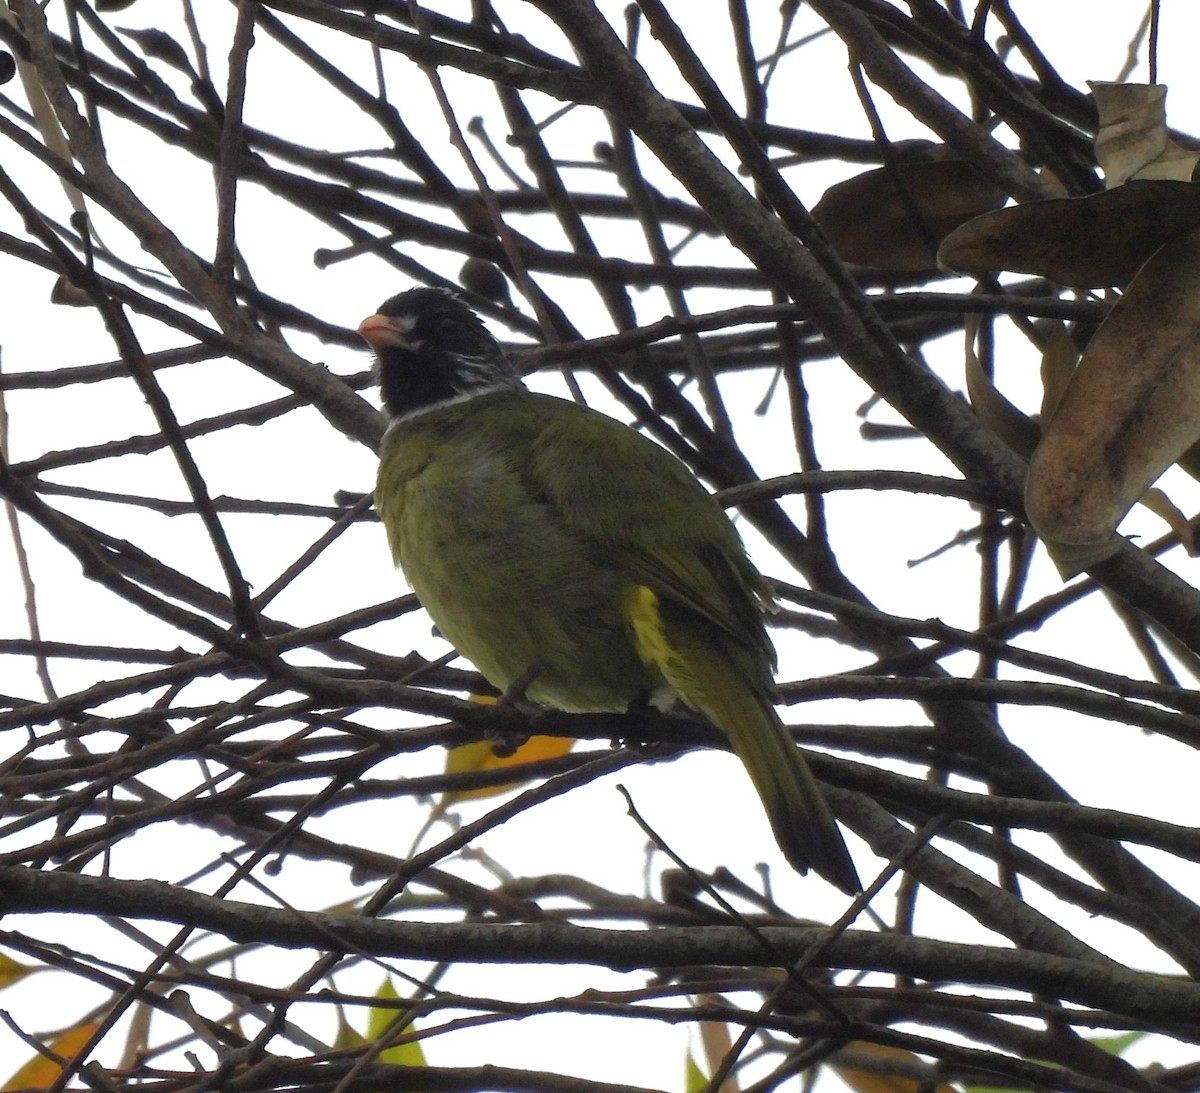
(1019, 431)
(1190, 460)
(1132, 131)
(1131, 409)
(1059, 358)
(870, 223)
(1167, 511)
(1132, 141)
(1085, 242)
(66, 292)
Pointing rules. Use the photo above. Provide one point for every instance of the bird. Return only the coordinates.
(574, 560)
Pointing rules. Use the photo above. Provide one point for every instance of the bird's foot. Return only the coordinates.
(514, 693)
(506, 740)
(648, 719)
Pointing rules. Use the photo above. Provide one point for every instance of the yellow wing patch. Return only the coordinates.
(648, 637)
(703, 584)
(653, 646)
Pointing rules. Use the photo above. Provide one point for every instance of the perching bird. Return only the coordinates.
(573, 559)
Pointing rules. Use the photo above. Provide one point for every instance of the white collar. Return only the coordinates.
(454, 400)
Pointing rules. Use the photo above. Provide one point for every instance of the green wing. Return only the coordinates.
(636, 501)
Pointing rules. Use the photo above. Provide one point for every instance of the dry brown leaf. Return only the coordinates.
(870, 223)
(1170, 513)
(1085, 242)
(44, 115)
(1129, 411)
(1132, 130)
(717, 1043)
(1019, 431)
(1190, 460)
(1071, 559)
(1176, 163)
(1132, 140)
(1059, 359)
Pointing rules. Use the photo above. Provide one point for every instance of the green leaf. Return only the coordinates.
(1119, 1044)
(694, 1080)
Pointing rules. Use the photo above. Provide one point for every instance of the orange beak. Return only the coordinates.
(386, 332)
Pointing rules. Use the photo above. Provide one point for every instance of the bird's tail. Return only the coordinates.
(804, 826)
(711, 673)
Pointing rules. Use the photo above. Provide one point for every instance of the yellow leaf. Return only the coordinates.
(717, 1044)
(40, 1072)
(694, 1080)
(406, 1054)
(12, 971)
(480, 755)
(347, 1035)
(878, 1068)
(379, 1023)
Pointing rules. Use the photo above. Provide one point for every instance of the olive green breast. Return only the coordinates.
(523, 522)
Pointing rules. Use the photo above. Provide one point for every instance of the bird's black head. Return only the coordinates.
(432, 348)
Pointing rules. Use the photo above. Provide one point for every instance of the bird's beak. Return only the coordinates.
(386, 331)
